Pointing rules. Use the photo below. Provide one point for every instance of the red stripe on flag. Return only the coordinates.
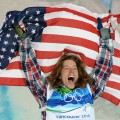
(48, 54)
(69, 23)
(70, 40)
(116, 69)
(113, 84)
(47, 69)
(104, 19)
(116, 53)
(110, 98)
(88, 61)
(118, 21)
(12, 81)
(50, 9)
(14, 65)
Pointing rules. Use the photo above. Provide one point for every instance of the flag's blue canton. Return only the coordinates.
(8, 40)
(33, 19)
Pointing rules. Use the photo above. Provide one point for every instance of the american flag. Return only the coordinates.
(54, 30)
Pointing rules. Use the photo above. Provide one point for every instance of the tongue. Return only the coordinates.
(71, 82)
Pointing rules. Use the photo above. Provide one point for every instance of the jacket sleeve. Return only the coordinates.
(34, 80)
(103, 67)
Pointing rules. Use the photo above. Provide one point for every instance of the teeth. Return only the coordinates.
(71, 76)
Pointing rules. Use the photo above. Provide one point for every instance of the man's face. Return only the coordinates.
(69, 74)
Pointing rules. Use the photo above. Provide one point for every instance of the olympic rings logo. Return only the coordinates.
(77, 95)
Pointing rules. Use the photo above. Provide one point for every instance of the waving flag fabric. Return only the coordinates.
(54, 30)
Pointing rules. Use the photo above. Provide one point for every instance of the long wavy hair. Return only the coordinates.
(83, 77)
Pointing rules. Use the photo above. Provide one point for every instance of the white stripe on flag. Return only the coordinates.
(74, 32)
(13, 73)
(67, 15)
(113, 92)
(60, 47)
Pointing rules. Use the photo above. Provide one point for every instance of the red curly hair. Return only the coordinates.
(83, 77)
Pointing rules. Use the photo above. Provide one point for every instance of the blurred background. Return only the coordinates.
(17, 103)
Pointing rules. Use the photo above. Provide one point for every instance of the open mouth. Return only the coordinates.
(71, 78)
